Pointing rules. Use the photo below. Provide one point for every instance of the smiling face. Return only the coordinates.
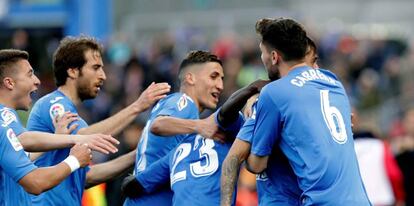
(91, 76)
(208, 84)
(25, 83)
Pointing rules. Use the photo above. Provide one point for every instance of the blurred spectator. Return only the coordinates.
(380, 172)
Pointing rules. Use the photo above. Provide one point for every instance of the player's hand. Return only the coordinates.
(130, 187)
(248, 110)
(99, 142)
(208, 128)
(61, 123)
(82, 153)
(258, 85)
(152, 94)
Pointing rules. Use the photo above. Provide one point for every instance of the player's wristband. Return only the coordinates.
(72, 162)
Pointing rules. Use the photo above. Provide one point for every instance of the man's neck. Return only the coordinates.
(70, 92)
(190, 92)
(6, 101)
(286, 67)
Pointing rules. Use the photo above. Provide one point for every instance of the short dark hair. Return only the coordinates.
(71, 54)
(285, 35)
(197, 57)
(8, 57)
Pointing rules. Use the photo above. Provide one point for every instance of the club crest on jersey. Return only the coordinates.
(182, 103)
(8, 116)
(11, 136)
(56, 110)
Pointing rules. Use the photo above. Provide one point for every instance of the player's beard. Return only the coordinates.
(273, 74)
(85, 93)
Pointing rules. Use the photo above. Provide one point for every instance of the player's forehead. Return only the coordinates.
(93, 57)
(210, 68)
(23, 66)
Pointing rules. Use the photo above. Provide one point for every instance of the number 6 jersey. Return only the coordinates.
(307, 115)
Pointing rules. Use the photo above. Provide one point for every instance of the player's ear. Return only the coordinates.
(190, 78)
(73, 73)
(8, 82)
(275, 57)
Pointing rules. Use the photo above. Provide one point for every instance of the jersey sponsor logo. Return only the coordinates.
(56, 110)
(11, 136)
(55, 100)
(182, 103)
(8, 117)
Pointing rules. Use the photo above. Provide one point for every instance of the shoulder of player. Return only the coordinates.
(181, 101)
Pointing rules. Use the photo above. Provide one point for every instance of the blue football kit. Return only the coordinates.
(306, 114)
(68, 192)
(152, 147)
(14, 162)
(282, 188)
(193, 169)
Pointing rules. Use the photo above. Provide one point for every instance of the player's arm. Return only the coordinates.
(149, 180)
(229, 111)
(114, 124)
(43, 179)
(41, 141)
(266, 132)
(256, 164)
(109, 170)
(239, 152)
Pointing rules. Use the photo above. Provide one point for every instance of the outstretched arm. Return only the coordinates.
(43, 179)
(229, 111)
(239, 152)
(114, 124)
(42, 141)
(109, 170)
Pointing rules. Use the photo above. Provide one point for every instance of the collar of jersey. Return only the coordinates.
(298, 70)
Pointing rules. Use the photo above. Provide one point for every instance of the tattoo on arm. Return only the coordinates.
(229, 174)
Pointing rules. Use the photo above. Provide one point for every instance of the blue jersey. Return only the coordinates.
(307, 115)
(11, 119)
(283, 188)
(152, 147)
(68, 192)
(193, 168)
(14, 165)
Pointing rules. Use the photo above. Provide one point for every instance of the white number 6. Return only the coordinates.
(333, 119)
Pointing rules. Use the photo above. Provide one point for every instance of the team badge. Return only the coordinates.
(182, 103)
(56, 110)
(8, 116)
(11, 136)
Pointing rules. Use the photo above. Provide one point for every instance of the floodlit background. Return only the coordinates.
(368, 44)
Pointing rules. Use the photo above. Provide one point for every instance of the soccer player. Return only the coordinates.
(305, 115)
(194, 166)
(201, 82)
(79, 74)
(285, 190)
(18, 175)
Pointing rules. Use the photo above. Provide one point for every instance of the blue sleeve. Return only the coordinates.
(267, 125)
(11, 119)
(13, 159)
(157, 174)
(246, 132)
(179, 106)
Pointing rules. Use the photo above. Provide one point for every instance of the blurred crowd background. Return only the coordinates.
(369, 45)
